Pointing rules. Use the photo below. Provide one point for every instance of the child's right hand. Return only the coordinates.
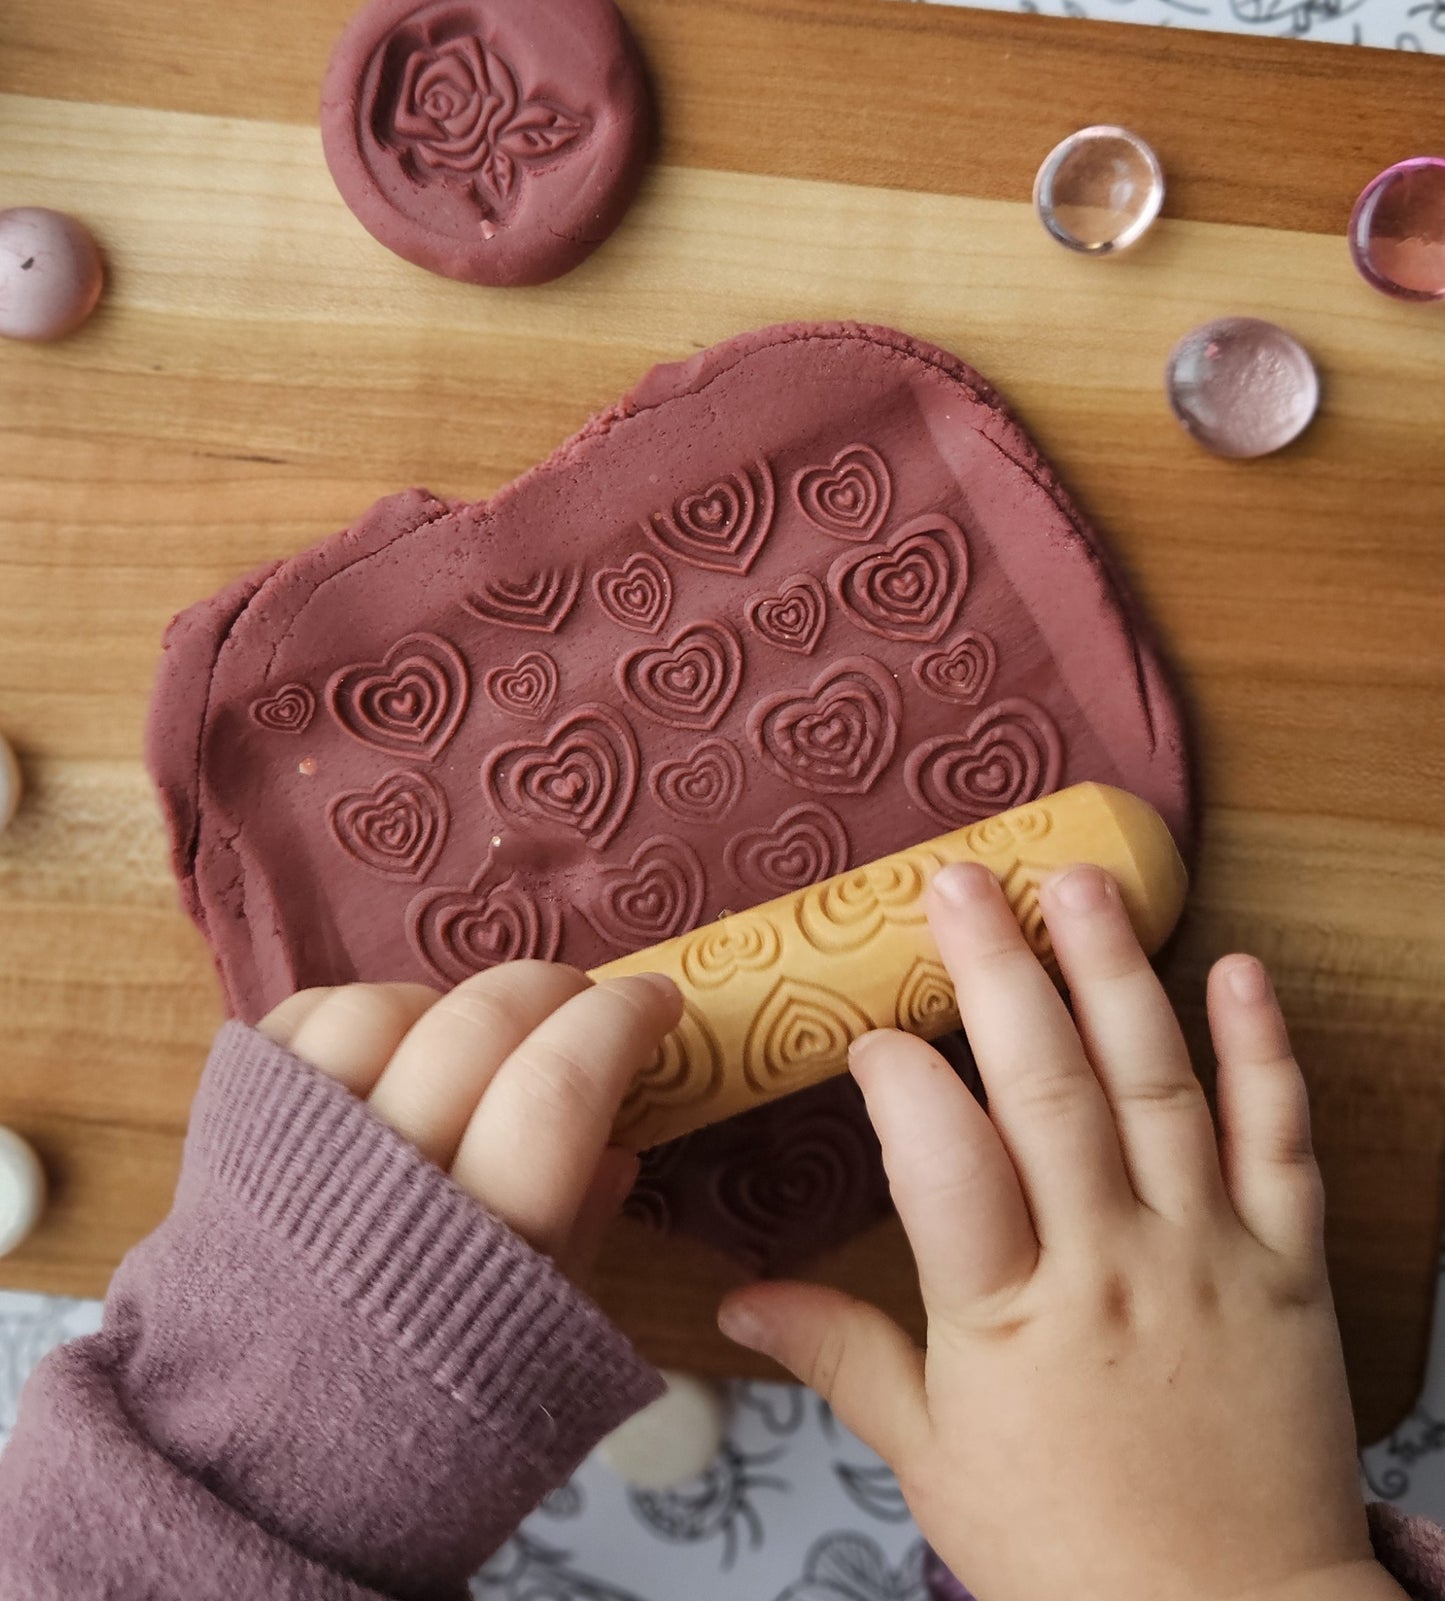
(1133, 1388)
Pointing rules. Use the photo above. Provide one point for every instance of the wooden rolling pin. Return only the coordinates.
(775, 995)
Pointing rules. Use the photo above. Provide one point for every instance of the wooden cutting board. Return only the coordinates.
(261, 370)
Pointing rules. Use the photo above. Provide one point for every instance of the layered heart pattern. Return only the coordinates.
(528, 688)
(703, 787)
(850, 497)
(913, 589)
(638, 594)
(1009, 755)
(458, 932)
(688, 683)
(793, 618)
(395, 829)
(582, 777)
(656, 895)
(288, 711)
(837, 738)
(723, 526)
(409, 702)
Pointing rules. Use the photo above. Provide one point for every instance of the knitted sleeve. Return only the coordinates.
(329, 1373)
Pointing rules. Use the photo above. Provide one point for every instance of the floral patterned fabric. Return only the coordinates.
(1393, 24)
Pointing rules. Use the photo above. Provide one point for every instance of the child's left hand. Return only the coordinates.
(510, 1083)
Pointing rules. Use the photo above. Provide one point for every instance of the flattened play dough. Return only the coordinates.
(807, 598)
(495, 141)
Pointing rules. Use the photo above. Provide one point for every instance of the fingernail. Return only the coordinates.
(1248, 981)
(961, 883)
(865, 1047)
(662, 984)
(1081, 889)
(740, 1324)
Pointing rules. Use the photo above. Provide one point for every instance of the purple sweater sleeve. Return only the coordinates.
(1412, 1549)
(328, 1374)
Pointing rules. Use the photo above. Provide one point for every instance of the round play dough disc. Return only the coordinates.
(671, 1441)
(22, 1190)
(494, 141)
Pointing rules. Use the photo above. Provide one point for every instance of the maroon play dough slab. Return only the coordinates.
(495, 141)
(807, 598)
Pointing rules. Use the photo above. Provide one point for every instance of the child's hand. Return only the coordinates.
(510, 1083)
(1133, 1389)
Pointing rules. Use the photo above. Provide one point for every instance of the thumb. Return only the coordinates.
(854, 1356)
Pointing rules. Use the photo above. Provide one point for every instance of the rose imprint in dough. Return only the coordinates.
(494, 141)
(808, 598)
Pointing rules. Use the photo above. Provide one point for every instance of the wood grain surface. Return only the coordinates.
(261, 370)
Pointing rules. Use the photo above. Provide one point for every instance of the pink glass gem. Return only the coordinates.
(1242, 387)
(50, 274)
(1397, 230)
(1099, 190)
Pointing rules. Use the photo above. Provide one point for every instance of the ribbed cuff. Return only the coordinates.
(1411, 1550)
(481, 1315)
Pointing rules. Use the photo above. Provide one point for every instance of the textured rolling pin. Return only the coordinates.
(775, 995)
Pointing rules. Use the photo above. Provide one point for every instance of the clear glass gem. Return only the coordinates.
(1242, 387)
(1397, 230)
(1099, 190)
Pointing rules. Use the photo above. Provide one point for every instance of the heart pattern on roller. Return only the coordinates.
(793, 618)
(703, 787)
(396, 829)
(838, 738)
(458, 932)
(722, 527)
(911, 590)
(962, 672)
(528, 688)
(409, 702)
(656, 895)
(688, 683)
(806, 844)
(1009, 755)
(850, 497)
(581, 777)
(288, 711)
(638, 594)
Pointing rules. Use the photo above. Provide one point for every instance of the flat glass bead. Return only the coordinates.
(1242, 387)
(1099, 191)
(1397, 230)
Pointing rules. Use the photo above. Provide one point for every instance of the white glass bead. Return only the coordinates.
(1099, 190)
(22, 1190)
(51, 273)
(671, 1441)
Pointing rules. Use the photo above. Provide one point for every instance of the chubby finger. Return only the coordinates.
(850, 1353)
(1269, 1164)
(612, 1182)
(535, 1140)
(280, 1024)
(1135, 1045)
(952, 1181)
(1042, 1094)
(444, 1066)
(351, 1034)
